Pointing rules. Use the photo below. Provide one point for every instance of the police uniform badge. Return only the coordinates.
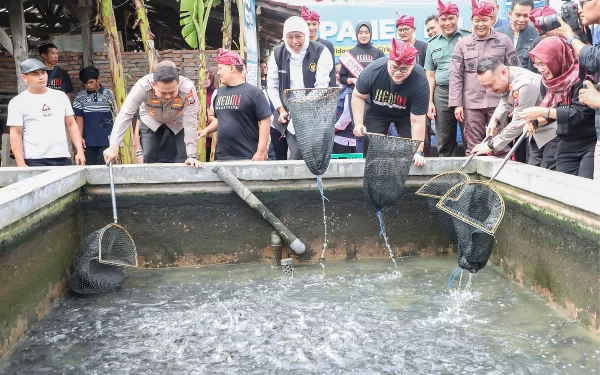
(312, 67)
(154, 101)
(515, 96)
(177, 102)
(190, 98)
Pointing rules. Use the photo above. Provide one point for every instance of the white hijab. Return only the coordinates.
(298, 24)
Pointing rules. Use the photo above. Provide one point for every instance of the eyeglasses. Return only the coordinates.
(539, 65)
(394, 69)
(404, 30)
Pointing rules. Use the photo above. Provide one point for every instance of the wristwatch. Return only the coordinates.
(571, 39)
(420, 153)
(490, 145)
(193, 156)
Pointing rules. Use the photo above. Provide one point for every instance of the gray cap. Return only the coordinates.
(31, 65)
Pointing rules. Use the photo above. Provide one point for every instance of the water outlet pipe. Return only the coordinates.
(295, 244)
(276, 246)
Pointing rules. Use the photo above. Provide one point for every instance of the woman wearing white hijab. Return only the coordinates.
(295, 64)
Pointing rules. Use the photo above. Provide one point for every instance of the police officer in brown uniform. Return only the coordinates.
(437, 68)
(473, 105)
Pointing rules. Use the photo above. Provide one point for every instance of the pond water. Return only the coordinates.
(351, 317)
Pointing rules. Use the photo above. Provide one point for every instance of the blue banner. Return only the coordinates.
(338, 23)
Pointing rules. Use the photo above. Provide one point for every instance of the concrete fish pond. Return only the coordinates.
(532, 309)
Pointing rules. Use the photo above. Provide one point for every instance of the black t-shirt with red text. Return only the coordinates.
(387, 99)
(59, 79)
(238, 110)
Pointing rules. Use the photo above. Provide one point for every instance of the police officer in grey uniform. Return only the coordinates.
(437, 69)
(519, 89)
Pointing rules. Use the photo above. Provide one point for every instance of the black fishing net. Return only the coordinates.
(386, 169)
(473, 247)
(99, 264)
(434, 190)
(476, 203)
(313, 114)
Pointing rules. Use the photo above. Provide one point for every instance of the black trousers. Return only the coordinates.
(576, 157)
(48, 162)
(381, 125)
(94, 156)
(280, 145)
(445, 124)
(544, 157)
(152, 140)
(343, 149)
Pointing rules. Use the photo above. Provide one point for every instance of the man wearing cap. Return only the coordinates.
(437, 68)
(472, 104)
(242, 114)
(37, 118)
(167, 102)
(394, 90)
(405, 27)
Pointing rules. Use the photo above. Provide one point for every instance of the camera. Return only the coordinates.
(569, 12)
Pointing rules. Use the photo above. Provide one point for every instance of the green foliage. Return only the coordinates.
(194, 18)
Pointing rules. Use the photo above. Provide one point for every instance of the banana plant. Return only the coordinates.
(113, 49)
(193, 19)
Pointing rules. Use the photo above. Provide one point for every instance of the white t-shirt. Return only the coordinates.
(42, 117)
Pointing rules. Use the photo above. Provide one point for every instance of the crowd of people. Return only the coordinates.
(535, 71)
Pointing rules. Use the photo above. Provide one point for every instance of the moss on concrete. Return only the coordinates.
(556, 257)
(35, 262)
(204, 226)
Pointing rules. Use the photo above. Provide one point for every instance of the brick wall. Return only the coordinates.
(134, 65)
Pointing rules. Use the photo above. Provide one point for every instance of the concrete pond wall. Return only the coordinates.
(549, 239)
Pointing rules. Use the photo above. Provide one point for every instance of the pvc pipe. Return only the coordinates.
(254, 202)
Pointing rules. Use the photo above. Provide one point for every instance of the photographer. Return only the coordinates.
(559, 68)
(589, 56)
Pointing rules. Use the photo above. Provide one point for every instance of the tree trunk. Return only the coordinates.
(240, 4)
(19, 38)
(202, 21)
(147, 36)
(113, 49)
(227, 26)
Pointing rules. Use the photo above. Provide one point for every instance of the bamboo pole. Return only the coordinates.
(147, 36)
(227, 25)
(202, 20)
(240, 5)
(113, 49)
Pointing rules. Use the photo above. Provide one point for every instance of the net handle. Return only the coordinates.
(472, 155)
(512, 151)
(112, 191)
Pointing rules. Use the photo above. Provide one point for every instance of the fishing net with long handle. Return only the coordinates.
(313, 114)
(386, 170)
(99, 264)
(437, 187)
(478, 203)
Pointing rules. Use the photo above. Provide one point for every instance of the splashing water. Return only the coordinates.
(383, 235)
(359, 318)
(323, 199)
